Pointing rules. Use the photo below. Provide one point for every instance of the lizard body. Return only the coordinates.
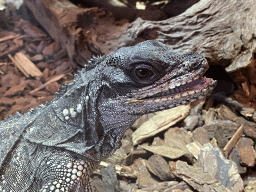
(56, 146)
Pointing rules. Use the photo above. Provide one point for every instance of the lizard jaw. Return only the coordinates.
(171, 96)
(198, 85)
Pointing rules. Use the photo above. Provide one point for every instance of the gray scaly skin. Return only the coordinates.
(56, 146)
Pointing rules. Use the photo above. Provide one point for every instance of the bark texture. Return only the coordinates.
(222, 30)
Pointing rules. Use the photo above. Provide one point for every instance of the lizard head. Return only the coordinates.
(145, 78)
(150, 76)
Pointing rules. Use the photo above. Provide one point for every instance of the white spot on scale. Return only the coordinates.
(79, 173)
(79, 108)
(65, 112)
(72, 112)
(74, 171)
(172, 86)
(80, 167)
(67, 117)
(69, 165)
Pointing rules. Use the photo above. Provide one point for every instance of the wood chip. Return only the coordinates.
(56, 78)
(163, 172)
(25, 65)
(9, 37)
(194, 148)
(6, 101)
(165, 151)
(232, 142)
(198, 178)
(246, 150)
(212, 161)
(160, 122)
(4, 63)
(15, 90)
(121, 170)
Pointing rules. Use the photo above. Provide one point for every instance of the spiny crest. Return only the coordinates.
(94, 61)
(67, 86)
(62, 90)
(32, 111)
(77, 76)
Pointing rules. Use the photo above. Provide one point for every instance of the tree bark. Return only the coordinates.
(71, 26)
(222, 30)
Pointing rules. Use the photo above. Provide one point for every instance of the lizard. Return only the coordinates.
(56, 146)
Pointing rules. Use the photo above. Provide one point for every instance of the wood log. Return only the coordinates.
(222, 30)
(70, 25)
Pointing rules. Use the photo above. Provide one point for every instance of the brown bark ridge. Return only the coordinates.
(70, 25)
(222, 30)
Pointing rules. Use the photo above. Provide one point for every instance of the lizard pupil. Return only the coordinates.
(143, 73)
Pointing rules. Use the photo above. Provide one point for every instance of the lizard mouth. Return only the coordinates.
(174, 91)
(190, 87)
(171, 94)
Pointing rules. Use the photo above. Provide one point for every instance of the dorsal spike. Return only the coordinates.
(17, 114)
(42, 105)
(11, 117)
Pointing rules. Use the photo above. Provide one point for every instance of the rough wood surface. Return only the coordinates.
(25, 65)
(69, 25)
(222, 30)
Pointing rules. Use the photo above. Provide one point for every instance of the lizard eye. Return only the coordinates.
(144, 73)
